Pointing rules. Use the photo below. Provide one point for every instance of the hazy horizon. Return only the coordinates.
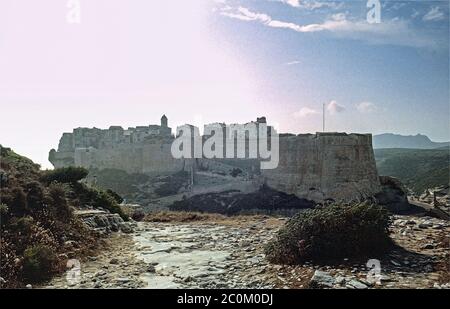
(206, 61)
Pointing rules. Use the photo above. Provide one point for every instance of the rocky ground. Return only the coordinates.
(229, 254)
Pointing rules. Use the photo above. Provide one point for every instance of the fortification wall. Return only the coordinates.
(326, 166)
(158, 159)
(149, 159)
(318, 166)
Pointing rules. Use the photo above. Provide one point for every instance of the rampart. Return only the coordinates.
(318, 166)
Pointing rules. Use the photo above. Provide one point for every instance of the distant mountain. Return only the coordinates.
(418, 141)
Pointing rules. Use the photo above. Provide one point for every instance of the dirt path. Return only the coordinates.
(191, 255)
(230, 255)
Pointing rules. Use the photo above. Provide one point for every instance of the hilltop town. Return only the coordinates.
(316, 167)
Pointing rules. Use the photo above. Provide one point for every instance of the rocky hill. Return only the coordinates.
(418, 169)
(419, 141)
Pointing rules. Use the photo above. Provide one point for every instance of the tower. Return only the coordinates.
(164, 121)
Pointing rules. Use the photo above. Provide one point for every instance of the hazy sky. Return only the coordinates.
(200, 61)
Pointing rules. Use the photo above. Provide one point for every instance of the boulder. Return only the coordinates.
(322, 279)
(104, 222)
(393, 195)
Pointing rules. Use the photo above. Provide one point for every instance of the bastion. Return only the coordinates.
(316, 167)
(324, 166)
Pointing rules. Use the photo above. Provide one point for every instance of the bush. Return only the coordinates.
(58, 201)
(24, 232)
(35, 194)
(119, 181)
(138, 215)
(116, 196)
(3, 214)
(22, 226)
(330, 232)
(173, 184)
(98, 198)
(18, 203)
(65, 175)
(102, 199)
(8, 266)
(236, 172)
(3, 178)
(39, 263)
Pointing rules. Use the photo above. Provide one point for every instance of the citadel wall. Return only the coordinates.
(144, 159)
(323, 166)
(318, 166)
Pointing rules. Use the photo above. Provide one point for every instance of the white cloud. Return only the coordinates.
(334, 107)
(366, 107)
(247, 15)
(294, 3)
(293, 62)
(415, 13)
(434, 14)
(391, 32)
(312, 4)
(305, 112)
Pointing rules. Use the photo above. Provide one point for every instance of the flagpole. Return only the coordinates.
(323, 120)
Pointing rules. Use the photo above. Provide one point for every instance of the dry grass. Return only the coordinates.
(174, 216)
(128, 210)
(190, 217)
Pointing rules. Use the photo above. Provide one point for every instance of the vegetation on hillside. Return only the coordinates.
(119, 181)
(331, 232)
(172, 184)
(418, 169)
(69, 175)
(38, 227)
(265, 200)
(135, 186)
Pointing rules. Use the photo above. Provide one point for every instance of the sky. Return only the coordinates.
(77, 63)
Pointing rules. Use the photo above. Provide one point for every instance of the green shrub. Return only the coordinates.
(4, 214)
(8, 266)
(116, 196)
(18, 204)
(24, 232)
(65, 175)
(39, 262)
(98, 198)
(58, 201)
(35, 194)
(172, 184)
(330, 232)
(22, 225)
(119, 181)
(236, 172)
(103, 200)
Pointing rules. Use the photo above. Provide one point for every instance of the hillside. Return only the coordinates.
(418, 141)
(39, 231)
(418, 169)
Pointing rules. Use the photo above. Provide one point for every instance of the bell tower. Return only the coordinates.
(164, 121)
